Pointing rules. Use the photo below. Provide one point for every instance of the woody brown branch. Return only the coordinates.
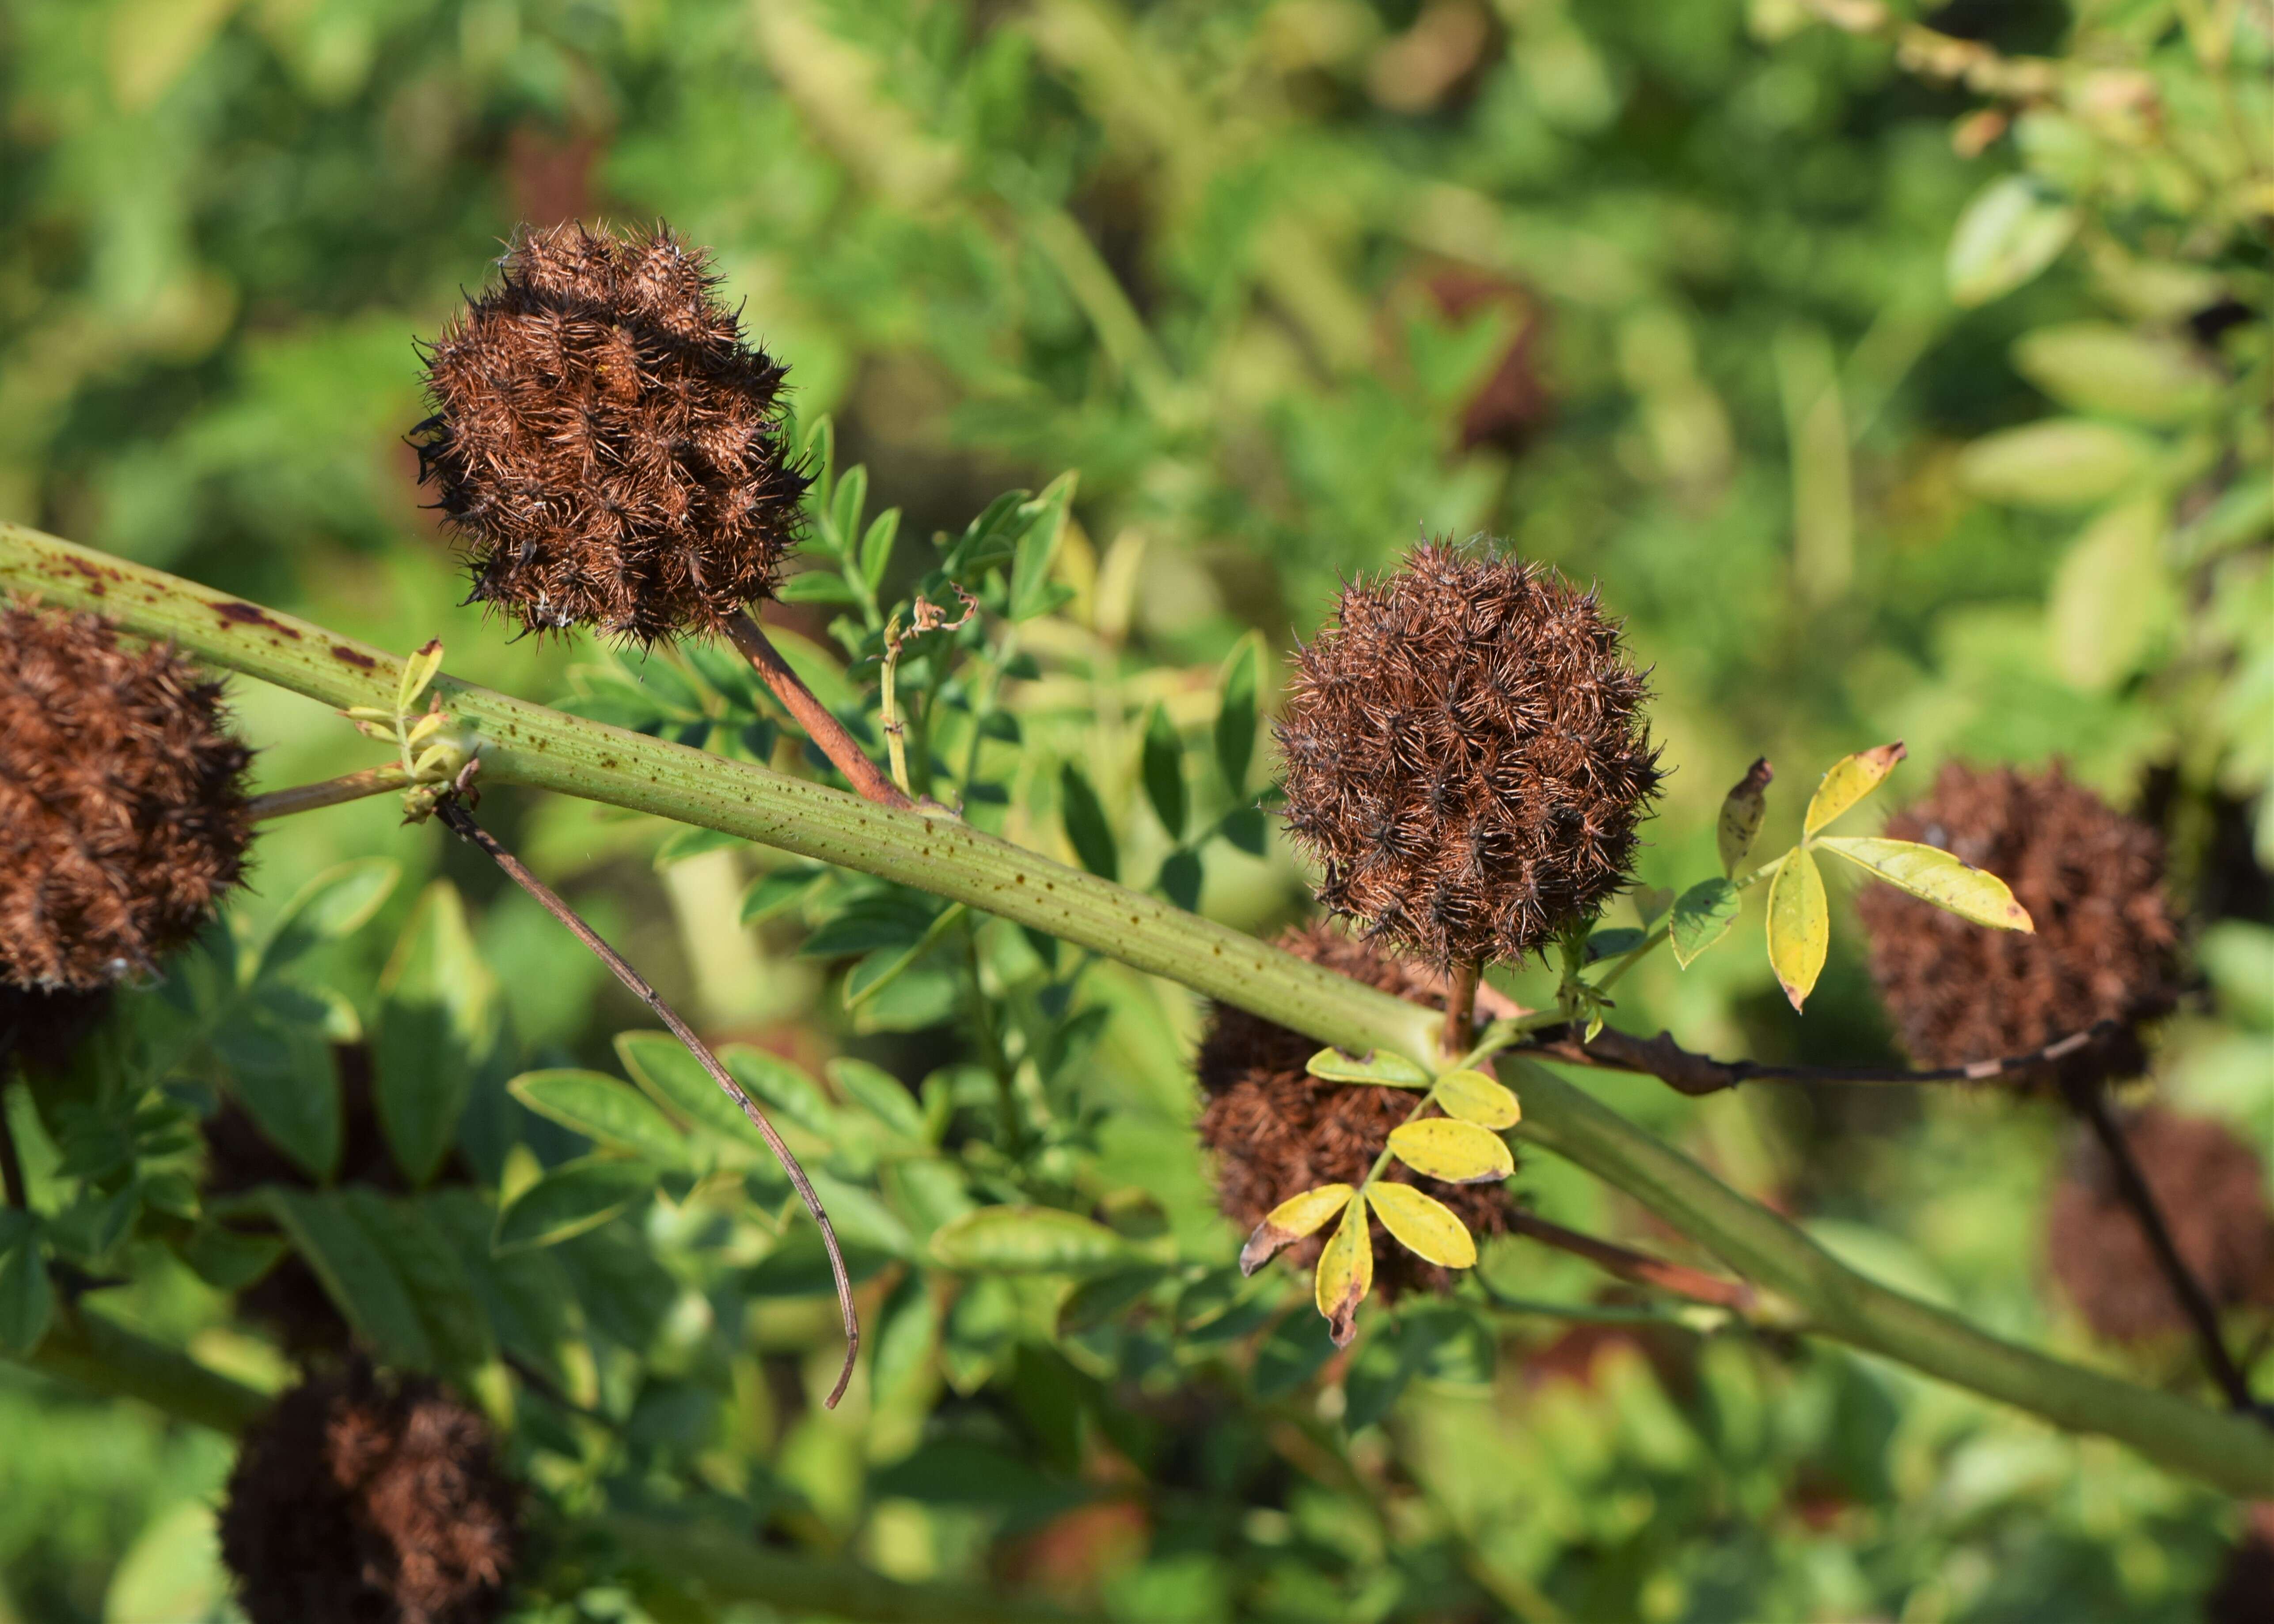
(1694, 1074)
(828, 734)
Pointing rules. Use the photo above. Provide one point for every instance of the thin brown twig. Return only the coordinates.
(1694, 1074)
(868, 780)
(1640, 1268)
(461, 822)
(2089, 1103)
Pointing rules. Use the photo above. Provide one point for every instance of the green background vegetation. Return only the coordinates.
(1883, 402)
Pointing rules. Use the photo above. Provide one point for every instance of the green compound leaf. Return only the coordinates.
(1472, 1096)
(1702, 916)
(1345, 1274)
(1848, 781)
(1289, 1221)
(1741, 814)
(1800, 925)
(1424, 1225)
(1385, 1070)
(1164, 771)
(603, 1110)
(1029, 1240)
(1933, 873)
(1458, 1153)
(569, 1200)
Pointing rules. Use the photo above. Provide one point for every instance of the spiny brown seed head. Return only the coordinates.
(122, 802)
(362, 1499)
(1466, 756)
(2212, 1188)
(2103, 950)
(609, 450)
(1277, 1131)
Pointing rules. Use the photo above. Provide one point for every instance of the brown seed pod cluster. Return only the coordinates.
(2212, 1188)
(360, 1498)
(609, 450)
(1466, 756)
(2103, 950)
(1277, 1131)
(123, 813)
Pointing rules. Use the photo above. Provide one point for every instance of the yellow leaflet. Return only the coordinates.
(1289, 1221)
(1345, 1274)
(1425, 1225)
(1459, 1153)
(1474, 1097)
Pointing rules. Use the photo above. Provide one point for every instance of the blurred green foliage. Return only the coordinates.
(1892, 383)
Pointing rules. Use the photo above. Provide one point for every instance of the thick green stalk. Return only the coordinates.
(529, 744)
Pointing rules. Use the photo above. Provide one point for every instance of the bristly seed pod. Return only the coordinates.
(1277, 1131)
(2103, 950)
(2211, 1189)
(608, 449)
(123, 815)
(1466, 756)
(358, 1497)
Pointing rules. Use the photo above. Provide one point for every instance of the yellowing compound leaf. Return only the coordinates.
(1474, 1097)
(1424, 1225)
(1289, 1221)
(1741, 814)
(1800, 925)
(1933, 873)
(1345, 1274)
(1459, 1153)
(1848, 781)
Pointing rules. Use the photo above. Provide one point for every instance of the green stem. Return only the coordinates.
(2234, 1454)
(529, 744)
